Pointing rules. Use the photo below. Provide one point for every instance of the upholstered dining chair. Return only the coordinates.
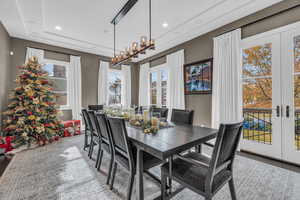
(125, 153)
(87, 131)
(203, 175)
(182, 116)
(95, 107)
(105, 142)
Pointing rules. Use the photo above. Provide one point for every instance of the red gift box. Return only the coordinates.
(7, 146)
(72, 127)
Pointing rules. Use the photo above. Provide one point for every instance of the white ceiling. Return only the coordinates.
(86, 23)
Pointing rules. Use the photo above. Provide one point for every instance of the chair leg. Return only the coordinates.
(232, 189)
(100, 160)
(130, 186)
(163, 186)
(113, 176)
(91, 150)
(110, 169)
(85, 140)
(98, 156)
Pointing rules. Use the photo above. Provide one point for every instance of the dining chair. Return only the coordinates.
(125, 153)
(204, 175)
(95, 135)
(160, 112)
(87, 131)
(95, 107)
(105, 142)
(182, 116)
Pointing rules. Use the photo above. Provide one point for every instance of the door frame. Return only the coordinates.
(286, 94)
(273, 149)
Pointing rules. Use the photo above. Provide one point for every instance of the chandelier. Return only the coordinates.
(135, 48)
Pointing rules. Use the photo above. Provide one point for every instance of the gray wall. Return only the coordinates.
(201, 48)
(4, 68)
(89, 68)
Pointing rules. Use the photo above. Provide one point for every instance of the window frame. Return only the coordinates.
(159, 87)
(69, 79)
(107, 89)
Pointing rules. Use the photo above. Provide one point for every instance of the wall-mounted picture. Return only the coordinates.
(198, 77)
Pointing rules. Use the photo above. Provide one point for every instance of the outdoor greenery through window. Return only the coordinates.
(114, 87)
(257, 93)
(58, 76)
(158, 87)
(297, 90)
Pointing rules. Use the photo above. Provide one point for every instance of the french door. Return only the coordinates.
(271, 93)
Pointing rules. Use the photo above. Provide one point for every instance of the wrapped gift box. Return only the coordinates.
(72, 127)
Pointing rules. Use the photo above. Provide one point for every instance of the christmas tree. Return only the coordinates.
(32, 112)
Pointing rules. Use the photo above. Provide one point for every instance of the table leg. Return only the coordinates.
(199, 148)
(170, 174)
(139, 173)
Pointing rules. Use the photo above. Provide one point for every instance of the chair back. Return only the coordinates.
(121, 144)
(103, 126)
(92, 118)
(164, 112)
(182, 116)
(225, 147)
(95, 107)
(86, 119)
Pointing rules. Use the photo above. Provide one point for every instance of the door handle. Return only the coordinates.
(277, 111)
(287, 110)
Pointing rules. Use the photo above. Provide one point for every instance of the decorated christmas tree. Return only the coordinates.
(32, 111)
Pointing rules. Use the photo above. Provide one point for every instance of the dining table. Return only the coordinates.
(165, 144)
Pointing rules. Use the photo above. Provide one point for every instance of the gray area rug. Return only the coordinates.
(62, 171)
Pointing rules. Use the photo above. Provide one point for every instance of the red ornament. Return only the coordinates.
(29, 113)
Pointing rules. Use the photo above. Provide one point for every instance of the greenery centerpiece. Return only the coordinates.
(144, 121)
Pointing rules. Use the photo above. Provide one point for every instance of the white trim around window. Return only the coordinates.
(68, 78)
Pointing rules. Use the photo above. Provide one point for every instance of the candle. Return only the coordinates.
(143, 41)
(154, 122)
(146, 115)
(152, 44)
(134, 47)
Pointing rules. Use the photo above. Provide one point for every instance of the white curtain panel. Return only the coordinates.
(75, 87)
(34, 52)
(126, 86)
(144, 89)
(175, 62)
(227, 84)
(102, 82)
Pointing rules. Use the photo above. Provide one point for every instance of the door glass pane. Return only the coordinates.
(257, 61)
(297, 90)
(164, 96)
(153, 79)
(257, 93)
(114, 88)
(153, 97)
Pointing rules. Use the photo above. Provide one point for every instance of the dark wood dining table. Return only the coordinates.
(164, 144)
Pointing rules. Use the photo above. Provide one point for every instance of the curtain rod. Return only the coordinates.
(53, 51)
(261, 19)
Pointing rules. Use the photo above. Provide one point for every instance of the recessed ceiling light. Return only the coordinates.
(58, 28)
(165, 24)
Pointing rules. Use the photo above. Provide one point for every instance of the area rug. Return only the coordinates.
(62, 171)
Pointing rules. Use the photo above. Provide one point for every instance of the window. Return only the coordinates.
(58, 75)
(114, 80)
(158, 86)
